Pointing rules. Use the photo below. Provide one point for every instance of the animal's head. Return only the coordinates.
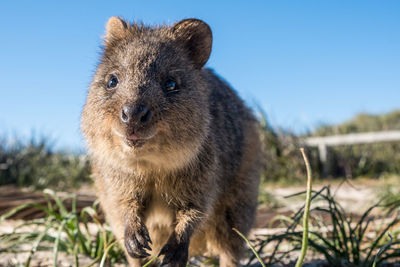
(147, 104)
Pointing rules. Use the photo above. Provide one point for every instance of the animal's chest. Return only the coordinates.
(158, 214)
(159, 218)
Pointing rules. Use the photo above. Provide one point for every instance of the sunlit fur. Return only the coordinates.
(196, 176)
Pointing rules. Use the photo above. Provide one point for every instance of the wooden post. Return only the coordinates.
(323, 158)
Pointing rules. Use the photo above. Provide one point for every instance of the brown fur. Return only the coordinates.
(194, 173)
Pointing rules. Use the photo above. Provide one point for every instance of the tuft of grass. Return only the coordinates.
(63, 230)
(341, 238)
(306, 215)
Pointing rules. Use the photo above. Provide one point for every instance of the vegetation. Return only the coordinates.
(340, 238)
(74, 237)
(35, 164)
(283, 164)
(372, 160)
(63, 230)
(327, 229)
(363, 123)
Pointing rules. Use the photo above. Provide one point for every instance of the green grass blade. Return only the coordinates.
(57, 242)
(105, 254)
(25, 206)
(150, 261)
(59, 203)
(251, 247)
(383, 249)
(376, 242)
(306, 216)
(49, 224)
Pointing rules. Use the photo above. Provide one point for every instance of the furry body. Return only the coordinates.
(182, 168)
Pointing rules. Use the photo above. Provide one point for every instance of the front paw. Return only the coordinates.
(137, 240)
(175, 253)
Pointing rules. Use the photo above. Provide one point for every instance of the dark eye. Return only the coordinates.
(112, 82)
(170, 85)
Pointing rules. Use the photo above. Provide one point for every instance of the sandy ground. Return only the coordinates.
(354, 198)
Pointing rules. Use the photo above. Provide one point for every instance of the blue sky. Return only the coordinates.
(304, 62)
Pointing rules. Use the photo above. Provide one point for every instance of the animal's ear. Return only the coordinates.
(115, 28)
(196, 37)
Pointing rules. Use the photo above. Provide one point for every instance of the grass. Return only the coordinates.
(327, 230)
(306, 215)
(284, 164)
(250, 246)
(344, 240)
(63, 230)
(35, 164)
(340, 238)
(70, 238)
(335, 235)
(368, 160)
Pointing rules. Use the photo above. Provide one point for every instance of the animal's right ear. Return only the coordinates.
(115, 28)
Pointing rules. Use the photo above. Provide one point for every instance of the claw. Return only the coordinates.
(164, 250)
(146, 246)
(147, 236)
(136, 242)
(175, 254)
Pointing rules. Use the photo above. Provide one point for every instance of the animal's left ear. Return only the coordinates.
(196, 36)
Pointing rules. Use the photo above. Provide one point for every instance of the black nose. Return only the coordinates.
(137, 115)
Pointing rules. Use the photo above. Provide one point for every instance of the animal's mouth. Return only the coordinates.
(134, 140)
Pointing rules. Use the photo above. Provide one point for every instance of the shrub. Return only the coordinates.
(36, 164)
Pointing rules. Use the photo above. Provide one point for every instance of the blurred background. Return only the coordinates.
(324, 75)
(307, 69)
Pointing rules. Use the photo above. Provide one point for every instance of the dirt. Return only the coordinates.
(354, 198)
